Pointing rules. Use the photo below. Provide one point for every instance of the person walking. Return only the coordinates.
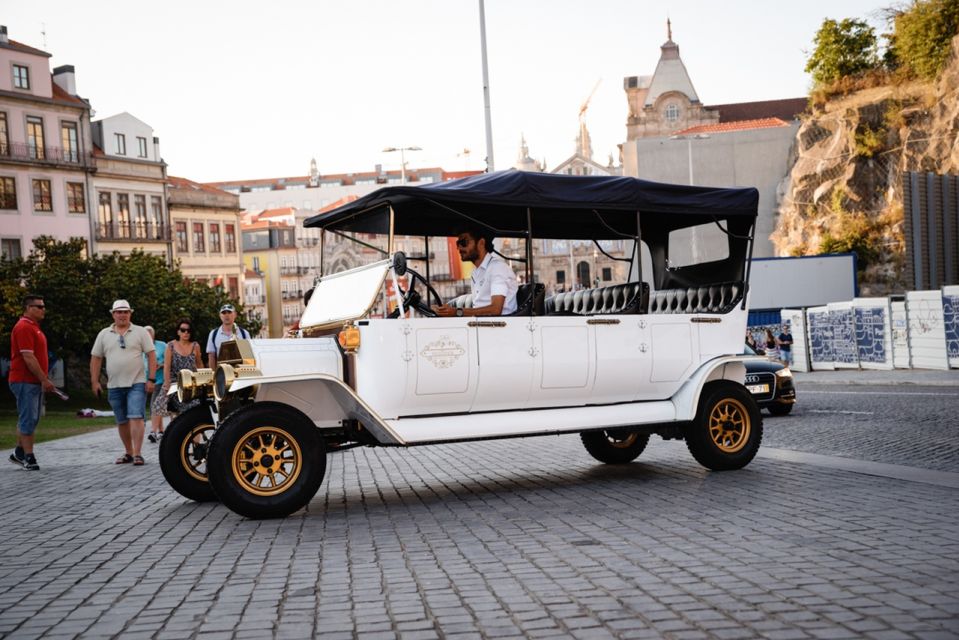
(771, 350)
(785, 342)
(228, 330)
(157, 401)
(123, 345)
(28, 377)
(182, 353)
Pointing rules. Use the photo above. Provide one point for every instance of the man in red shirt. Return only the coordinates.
(28, 377)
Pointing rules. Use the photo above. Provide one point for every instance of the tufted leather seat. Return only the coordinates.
(529, 298)
(716, 298)
(631, 297)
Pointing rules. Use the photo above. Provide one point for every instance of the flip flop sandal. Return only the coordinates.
(138, 461)
(126, 458)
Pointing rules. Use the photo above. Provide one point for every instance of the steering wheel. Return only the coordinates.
(412, 298)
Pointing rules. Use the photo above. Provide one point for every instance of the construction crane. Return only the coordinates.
(585, 105)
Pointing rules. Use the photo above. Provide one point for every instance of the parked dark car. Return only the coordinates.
(771, 383)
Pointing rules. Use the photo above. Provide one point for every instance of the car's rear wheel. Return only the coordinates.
(266, 461)
(614, 446)
(728, 427)
(780, 409)
(183, 454)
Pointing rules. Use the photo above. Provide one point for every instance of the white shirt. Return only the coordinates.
(493, 277)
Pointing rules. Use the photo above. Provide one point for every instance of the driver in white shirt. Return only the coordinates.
(494, 283)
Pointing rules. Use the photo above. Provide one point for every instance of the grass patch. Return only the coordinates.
(60, 421)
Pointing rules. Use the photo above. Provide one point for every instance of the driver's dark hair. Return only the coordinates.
(480, 233)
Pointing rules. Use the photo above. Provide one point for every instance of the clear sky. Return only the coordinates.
(245, 89)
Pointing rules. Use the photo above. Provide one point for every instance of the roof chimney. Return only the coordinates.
(3, 34)
(66, 79)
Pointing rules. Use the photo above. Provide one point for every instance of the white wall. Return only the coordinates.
(927, 336)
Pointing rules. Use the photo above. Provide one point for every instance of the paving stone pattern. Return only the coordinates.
(507, 539)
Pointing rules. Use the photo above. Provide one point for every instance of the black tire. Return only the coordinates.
(614, 446)
(728, 427)
(266, 461)
(183, 454)
(780, 409)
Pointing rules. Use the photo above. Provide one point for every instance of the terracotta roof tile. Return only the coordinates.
(63, 96)
(282, 212)
(19, 46)
(339, 203)
(250, 273)
(183, 183)
(348, 178)
(786, 109)
(726, 127)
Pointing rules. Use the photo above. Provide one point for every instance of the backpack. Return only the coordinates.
(240, 332)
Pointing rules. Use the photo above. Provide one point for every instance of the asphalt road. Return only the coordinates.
(912, 425)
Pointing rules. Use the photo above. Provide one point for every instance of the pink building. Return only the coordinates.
(45, 150)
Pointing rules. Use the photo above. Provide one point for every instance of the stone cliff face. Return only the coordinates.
(845, 188)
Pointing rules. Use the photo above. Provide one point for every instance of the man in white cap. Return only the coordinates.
(124, 344)
(228, 330)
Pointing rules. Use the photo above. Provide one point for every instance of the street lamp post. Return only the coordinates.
(689, 149)
(402, 151)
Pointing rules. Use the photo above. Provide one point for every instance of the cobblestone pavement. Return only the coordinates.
(912, 424)
(507, 539)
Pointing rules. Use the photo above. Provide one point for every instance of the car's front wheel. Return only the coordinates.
(728, 427)
(183, 454)
(614, 446)
(266, 461)
(780, 409)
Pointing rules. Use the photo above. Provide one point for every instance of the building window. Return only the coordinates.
(76, 198)
(8, 193)
(10, 248)
(21, 77)
(156, 206)
(105, 214)
(607, 274)
(215, 238)
(229, 235)
(140, 215)
(42, 198)
(256, 264)
(181, 242)
(4, 136)
(671, 113)
(70, 142)
(141, 147)
(560, 277)
(199, 239)
(35, 138)
(120, 141)
(233, 286)
(123, 214)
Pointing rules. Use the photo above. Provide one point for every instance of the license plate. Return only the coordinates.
(758, 388)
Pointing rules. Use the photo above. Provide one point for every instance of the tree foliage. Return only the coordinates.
(79, 290)
(843, 48)
(922, 36)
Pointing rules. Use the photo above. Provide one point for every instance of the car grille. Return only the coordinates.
(762, 377)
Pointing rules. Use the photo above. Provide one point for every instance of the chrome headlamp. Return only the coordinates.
(191, 385)
(226, 374)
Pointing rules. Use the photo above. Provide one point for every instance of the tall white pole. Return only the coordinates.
(403, 167)
(489, 121)
(689, 149)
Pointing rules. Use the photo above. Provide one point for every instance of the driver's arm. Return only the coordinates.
(494, 308)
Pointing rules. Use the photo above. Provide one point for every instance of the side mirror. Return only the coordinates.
(399, 263)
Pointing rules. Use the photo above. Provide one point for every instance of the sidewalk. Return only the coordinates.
(928, 377)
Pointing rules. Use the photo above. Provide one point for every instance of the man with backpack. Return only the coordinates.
(228, 330)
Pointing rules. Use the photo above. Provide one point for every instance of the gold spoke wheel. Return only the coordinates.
(266, 461)
(621, 440)
(193, 451)
(729, 425)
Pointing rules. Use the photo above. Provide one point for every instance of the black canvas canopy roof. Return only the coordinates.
(560, 206)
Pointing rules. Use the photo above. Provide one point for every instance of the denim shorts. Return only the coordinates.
(128, 402)
(29, 398)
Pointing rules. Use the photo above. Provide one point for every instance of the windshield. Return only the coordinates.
(344, 296)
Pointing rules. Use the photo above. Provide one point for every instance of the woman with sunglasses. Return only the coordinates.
(182, 353)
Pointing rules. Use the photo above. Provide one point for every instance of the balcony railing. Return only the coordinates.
(48, 155)
(288, 271)
(292, 294)
(251, 300)
(141, 231)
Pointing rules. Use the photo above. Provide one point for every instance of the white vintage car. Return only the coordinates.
(657, 353)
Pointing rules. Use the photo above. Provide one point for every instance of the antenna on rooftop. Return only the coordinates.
(43, 34)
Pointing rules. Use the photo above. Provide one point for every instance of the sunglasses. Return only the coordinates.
(462, 242)
(123, 343)
(38, 306)
(184, 329)
(227, 311)
(122, 311)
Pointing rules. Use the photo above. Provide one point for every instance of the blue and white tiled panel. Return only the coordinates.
(950, 322)
(845, 352)
(820, 329)
(873, 332)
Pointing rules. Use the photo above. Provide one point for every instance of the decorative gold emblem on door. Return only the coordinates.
(443, 353)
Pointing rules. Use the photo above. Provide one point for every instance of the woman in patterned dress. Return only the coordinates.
(182, 353)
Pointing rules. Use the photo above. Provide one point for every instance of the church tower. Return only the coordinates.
(666, 101)
(523, 161)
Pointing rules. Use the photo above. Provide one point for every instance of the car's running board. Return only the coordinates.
(515, 423)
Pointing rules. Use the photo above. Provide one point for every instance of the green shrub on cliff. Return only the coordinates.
(843, 48)
(922, 36)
